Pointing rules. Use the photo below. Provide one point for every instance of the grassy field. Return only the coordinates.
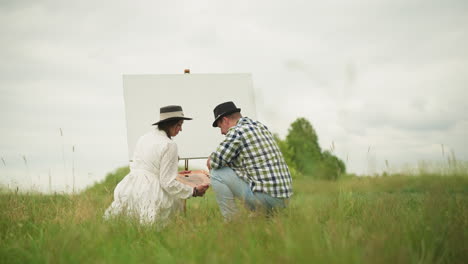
(393, 219)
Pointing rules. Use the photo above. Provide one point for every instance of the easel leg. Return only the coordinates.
(185, 201)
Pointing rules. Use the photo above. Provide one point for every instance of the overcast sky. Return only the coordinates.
(383, 80)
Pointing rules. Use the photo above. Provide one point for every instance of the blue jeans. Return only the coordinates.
(228, 186)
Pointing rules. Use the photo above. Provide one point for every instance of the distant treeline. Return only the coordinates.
(304, 155)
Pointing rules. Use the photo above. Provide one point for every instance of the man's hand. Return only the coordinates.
(208, 161)
(200, 189)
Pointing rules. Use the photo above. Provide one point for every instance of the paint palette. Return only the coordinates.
(194, 178)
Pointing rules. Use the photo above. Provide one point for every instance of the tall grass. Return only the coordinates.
(398, 219)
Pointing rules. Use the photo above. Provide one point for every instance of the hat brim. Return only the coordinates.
(225, 114)
(172, 118)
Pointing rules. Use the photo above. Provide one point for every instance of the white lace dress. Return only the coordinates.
(150, 191)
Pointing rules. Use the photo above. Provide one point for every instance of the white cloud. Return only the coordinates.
(386, 74)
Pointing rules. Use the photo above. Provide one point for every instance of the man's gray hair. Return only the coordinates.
(234, 116)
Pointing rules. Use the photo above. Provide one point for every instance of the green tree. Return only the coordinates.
(303, 147)
(304, 156)
(331, 167)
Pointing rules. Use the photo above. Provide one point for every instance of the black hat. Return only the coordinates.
(224, 109)
(171, 112)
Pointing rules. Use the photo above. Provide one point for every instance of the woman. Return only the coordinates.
(150, 192)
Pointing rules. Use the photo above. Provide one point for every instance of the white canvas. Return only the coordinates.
(198, 94)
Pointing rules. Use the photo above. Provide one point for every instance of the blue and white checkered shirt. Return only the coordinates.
(251, 151)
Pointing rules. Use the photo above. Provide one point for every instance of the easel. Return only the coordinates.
(192, 178)
(186, 161)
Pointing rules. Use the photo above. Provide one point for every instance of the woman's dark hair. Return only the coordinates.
(166, 125)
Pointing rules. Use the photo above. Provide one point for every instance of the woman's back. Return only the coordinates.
(149, 150)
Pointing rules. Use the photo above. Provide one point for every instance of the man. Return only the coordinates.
(247, 165)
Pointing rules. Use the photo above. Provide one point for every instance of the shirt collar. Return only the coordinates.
(243, 121)
(240, 122)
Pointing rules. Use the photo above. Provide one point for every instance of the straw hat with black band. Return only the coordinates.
(171, 112)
